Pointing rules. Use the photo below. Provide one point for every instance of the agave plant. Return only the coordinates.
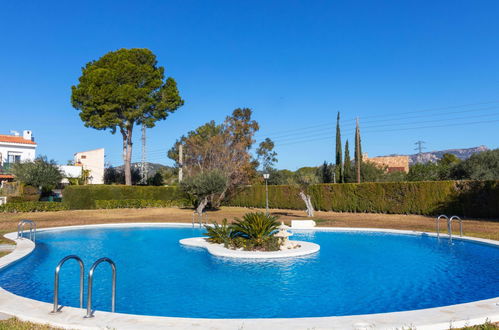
(257, 227)
(219, 233)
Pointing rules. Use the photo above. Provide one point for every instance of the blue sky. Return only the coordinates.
(410, 70)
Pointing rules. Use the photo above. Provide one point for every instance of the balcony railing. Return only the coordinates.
(6, 168)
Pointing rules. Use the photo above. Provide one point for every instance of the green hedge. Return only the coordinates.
(32, 207)
(465, 198)
(134, 203)
(85, 197)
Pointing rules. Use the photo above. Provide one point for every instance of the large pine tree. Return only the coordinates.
(339, 153)
(347, 165)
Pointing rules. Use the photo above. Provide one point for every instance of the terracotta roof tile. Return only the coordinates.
(15, 139)
(6, 176)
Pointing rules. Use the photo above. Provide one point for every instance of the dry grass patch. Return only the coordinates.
(478, 228)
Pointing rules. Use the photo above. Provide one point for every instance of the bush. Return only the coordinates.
(32, 207)
(255, 232)
(133, 203)
(464, 198)
(85, 197)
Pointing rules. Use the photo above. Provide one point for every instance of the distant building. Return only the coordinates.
(15, 149)
(392, 163)
(93, 161)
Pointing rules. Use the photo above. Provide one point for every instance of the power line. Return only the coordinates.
(384, 118)
(393, 130)
(369, 128)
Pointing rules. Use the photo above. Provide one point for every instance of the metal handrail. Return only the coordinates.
(449, 225)
(32, 229)
(438, 223)
(56, 281)
(200, 218)
(90, 286)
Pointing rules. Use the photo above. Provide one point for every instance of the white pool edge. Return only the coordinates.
(459, 315)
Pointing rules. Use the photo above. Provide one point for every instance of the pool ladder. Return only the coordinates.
(449, 225)
(199, 218)
(89, 314)
(32, 229)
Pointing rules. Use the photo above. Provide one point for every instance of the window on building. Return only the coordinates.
(13, 158)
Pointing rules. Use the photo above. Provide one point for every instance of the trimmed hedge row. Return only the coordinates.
(133, 203)
(32, 207)
(465, 198)
(85, 197)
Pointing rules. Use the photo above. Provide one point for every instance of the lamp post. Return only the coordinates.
(266, 177)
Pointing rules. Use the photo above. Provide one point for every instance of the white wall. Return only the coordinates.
(92, 160)
(27, 151)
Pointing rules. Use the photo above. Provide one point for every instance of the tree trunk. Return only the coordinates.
(201, 206)
(127, 153)
(308, 203)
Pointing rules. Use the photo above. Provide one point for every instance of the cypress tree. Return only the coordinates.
(358, 150)
(347, 170)
(339, 153)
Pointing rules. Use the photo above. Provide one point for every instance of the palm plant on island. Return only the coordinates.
(254, 232)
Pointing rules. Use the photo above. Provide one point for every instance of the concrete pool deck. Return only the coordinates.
(473, 313)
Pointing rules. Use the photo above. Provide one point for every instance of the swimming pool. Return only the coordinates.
(354, 273)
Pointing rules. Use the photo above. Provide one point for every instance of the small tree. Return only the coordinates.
(348, 171)
(480, 166)
(41, 173)
(304, 181)
(266, 155)
(203, 187)
(122, 89)
(339, 153)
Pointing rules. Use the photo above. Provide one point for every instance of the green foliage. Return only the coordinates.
(325, 173)
(204, 185)
(281, 177)
(348, 169)
(339, 152)
(32, 207)
(480, 166)
(40, 173)
(124, 88)
(255, 226)
(220, 234)
(464, 198)
(135, 203)
(114, 175)
(267, 157)
(85, 197)
(253, 232)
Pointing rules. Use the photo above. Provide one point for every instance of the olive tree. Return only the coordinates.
(122, 89)
(41, 173)
(204, 186)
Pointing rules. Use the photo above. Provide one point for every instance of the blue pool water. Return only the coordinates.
(354, 273)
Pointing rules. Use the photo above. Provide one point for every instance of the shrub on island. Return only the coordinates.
(254, 232)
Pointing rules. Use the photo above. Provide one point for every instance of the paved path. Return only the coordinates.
(4, 317)
(7, 247)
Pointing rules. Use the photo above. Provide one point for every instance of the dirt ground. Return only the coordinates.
(478, 228)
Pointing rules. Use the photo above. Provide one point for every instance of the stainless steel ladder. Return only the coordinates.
(90, 286)
(438, 223)
(89, 314)
(199, 218)
(449, 225)
(56, 281)
(32, 229)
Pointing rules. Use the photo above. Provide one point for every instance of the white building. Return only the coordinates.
(93, 161)
(15, 149)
